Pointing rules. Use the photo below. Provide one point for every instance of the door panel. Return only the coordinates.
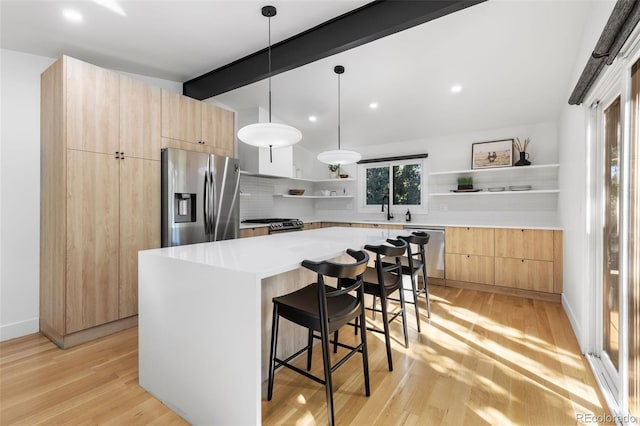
(139, 119)
(217, 129)
(92, 240)
(139, 224)
(478, 241)
(611, 232)
(181, 117)
(92, 107)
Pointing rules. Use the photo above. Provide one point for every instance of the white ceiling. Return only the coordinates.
(513, 58)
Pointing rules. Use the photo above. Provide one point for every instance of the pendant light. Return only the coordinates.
(339, 156)
(272, 135)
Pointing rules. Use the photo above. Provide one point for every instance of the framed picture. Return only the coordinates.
(485, 155)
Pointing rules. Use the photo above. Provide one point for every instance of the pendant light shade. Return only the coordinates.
(339, 156)
(272, 135)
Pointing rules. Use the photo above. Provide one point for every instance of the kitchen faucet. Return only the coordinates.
(389, 215)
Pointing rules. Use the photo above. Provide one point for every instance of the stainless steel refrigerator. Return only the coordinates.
(200, 201)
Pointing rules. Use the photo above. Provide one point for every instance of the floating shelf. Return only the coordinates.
(497, 169)
(245, 173)
(529, 192)
(312, 196)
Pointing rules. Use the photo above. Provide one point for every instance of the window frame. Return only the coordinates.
(421, 208)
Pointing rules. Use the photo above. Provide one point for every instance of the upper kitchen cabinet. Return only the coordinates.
(92, 99)
(204, 127)
(181, 117)
(139, 119)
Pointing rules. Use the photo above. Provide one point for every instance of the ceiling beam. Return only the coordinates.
(355, 28)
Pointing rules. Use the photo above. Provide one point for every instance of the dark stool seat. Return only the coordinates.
(381, 282)
(414, 263)
(324, 309)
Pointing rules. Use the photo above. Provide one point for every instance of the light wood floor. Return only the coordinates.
(481, 359)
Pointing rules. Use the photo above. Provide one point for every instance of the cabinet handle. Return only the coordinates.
(522, 260)
(122, 155)
(117, 155)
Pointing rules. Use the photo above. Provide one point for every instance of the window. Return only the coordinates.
(404, 178)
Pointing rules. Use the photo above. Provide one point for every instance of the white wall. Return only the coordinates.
(573, 155)
(20, 189)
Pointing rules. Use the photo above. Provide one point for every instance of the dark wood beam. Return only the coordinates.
(355, 28)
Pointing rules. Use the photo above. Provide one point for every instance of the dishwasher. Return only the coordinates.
(435, 248)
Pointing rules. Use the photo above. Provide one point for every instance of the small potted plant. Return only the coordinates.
(465, 182)
(333, 168)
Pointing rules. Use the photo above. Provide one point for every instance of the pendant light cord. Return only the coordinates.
(269, 69)
(338, 112)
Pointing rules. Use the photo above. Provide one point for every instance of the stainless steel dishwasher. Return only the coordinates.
(435, 248)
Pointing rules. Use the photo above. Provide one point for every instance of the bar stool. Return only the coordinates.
(414, 263)
(381, 282)
(324, 309)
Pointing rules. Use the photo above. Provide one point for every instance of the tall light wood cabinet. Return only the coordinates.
(100, 198)
(198, 126)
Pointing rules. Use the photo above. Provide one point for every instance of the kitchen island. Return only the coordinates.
(204, 316)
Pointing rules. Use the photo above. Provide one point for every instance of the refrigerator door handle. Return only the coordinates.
(205, 203)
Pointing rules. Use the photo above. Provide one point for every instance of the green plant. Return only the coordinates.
(334, 167)
(465, 180)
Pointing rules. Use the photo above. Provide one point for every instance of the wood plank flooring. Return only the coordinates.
(482, 359)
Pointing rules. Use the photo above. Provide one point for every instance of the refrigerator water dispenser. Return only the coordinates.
(184, 205)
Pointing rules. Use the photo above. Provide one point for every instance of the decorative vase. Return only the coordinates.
(333, 175)
(523, 161)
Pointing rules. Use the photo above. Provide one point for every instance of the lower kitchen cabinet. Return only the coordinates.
(511, 259)
(254, 232)
(524, 274)
(463, 267)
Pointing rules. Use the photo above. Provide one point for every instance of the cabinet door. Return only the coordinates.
(476, 241)
(217, 129)
(92, 240)
(538, 244)
(524, 274)
(139, 119)
(92, 107)
(535, 244)
(139, 224)
(475, 269)
(181, 117)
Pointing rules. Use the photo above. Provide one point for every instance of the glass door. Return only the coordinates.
(611, 235)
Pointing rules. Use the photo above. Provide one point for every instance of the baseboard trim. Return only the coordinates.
(83, 336)
(19, 329)
(575, 324)
(530, 294)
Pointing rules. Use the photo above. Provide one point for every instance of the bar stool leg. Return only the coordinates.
(385, 323)
(309, 349)
(365, 354)
(404, 318)
(274, 340)
(426, 288)
(327, 371)
(414, 289)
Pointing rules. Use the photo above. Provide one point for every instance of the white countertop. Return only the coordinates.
(416, 223)
(273, 254)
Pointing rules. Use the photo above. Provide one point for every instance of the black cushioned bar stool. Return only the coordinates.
(324, 309)
(414, 263)
(381, 282)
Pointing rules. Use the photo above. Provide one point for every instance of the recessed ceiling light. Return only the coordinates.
(373, 105)
(456, 88)
(72, 15)
(313, 118)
